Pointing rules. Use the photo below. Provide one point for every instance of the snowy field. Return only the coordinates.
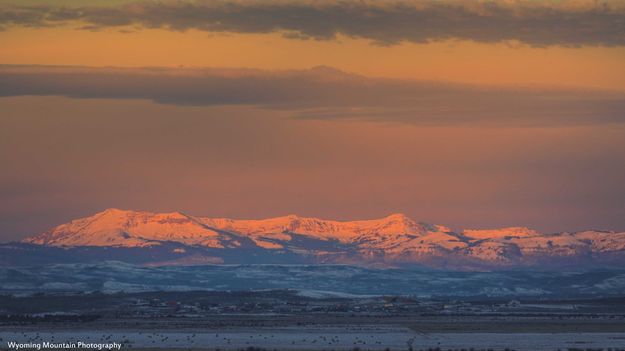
(113, 277)
(328, 338)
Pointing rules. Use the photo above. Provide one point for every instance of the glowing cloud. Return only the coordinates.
(323, 93)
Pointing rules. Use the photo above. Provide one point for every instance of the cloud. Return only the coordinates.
(537, 23)
(323, 93)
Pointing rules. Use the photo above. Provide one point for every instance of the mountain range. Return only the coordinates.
(393, 241)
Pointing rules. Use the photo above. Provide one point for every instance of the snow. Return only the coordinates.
(394, 238)
(374, 337)
(130, 229)
(320, 294)
(310, 280)
(500, 233)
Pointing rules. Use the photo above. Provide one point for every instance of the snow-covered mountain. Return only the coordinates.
(394, 240)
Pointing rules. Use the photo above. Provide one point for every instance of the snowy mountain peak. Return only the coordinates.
(397, 215)
(288, 219)
(118, 213)
(394, 239)
(114, 227)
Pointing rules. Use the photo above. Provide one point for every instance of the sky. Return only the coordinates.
(470, 114)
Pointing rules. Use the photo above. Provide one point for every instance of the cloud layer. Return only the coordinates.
(323, 93)
(537, 23)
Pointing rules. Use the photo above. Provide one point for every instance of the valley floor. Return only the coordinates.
(294, 320)
(335, 332)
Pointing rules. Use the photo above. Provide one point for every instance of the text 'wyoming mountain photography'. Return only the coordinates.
(312, 175)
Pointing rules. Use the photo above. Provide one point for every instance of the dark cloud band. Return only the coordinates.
(532, 22)
(323, 93)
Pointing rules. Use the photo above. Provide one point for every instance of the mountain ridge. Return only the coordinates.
(394, 240)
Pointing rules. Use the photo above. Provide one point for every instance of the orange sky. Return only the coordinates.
(463, 61)
(317, 142)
